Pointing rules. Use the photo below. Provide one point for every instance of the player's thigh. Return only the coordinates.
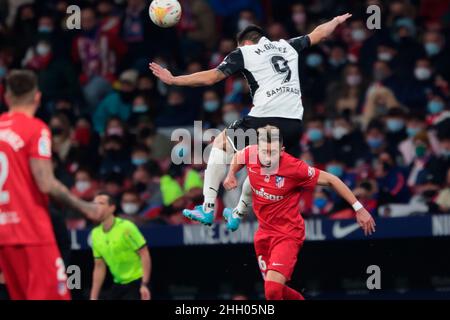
(47, 275)
(283, 255)
(14, 266)
(262, 250)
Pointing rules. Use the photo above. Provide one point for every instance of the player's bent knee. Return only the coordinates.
(273, 290)
(221, 141)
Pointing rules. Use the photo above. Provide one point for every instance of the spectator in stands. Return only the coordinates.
(443, 197)
(395, 129)
(133, 208)
(319, 145)
(348, 140)
(115, 157)
(375, 139)
(61, 136)
(85, 187)
(98, 54)
(391, 182)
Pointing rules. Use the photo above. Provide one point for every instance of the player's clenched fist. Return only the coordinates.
(230, 182)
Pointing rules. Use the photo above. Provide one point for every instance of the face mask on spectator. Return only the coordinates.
(130, 208)
(243, 23)
(353, 80)
(211, 106)
(421, 150)
(358, 35)
(314, 60)
(422, 73)
(339, 132)
(115, 131)
(335, 62)
(299, 17)
(42, 49)
(138, 161)
(315, 134)
(374, 143)
(82, 136)
(82, 186)
(395, 125)
(140, 108)
(320, 202)
(435, 106)
(445, 153)
(335, 169)
(45, 29)
(2, 72)
(385, 56)
(230, 117)
(411, 131)
(432, 48)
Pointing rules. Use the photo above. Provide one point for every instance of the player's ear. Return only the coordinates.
(37, 98)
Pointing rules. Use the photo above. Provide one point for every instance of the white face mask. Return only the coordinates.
(130, 208)
(422, 73)
(339, 132)
(230, 117)
(42, 49)
(353, 80)
(243, 23)
(358, 35)
(82, 186)
(385, 56)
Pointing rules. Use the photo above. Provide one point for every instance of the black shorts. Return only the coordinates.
(291, 131)
(129, 291)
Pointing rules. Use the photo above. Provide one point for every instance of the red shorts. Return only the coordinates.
(276, 252)
(34, 272)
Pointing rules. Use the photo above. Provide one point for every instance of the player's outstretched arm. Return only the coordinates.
(363, 217)
(98, 278)
(147, 270)
(236, 165)
(198, 79)
(42, 170)
(324, 30)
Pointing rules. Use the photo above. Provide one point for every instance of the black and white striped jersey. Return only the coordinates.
(271, 69)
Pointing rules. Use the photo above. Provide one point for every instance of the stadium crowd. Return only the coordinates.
(376, 101)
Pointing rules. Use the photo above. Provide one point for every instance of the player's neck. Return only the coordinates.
(27, 110)
(108, 223)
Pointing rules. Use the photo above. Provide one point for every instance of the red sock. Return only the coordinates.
(291, 294)
(273, 290)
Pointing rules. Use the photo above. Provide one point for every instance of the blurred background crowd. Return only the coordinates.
(376, 101)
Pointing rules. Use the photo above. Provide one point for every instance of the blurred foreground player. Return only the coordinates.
(29, 257)
(118, 244)
(277, 180)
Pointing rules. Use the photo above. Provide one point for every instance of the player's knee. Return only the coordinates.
(273, 290)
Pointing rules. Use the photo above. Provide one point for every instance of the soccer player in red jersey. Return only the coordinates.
(277, 180)
(29, 257)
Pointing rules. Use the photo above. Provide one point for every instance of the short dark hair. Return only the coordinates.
(111, 200)
(20, 85)
(252, 33)
(270, 134)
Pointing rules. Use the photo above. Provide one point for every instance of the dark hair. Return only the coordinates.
(270, 134)
(252, 33)
(111, 200)
(21, 83)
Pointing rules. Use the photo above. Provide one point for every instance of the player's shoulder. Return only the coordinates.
(96, 231)
(125, 224)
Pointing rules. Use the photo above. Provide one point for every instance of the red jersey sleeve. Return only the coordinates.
(306, 176)
(40, 145)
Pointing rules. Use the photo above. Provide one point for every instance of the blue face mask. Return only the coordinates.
(314, 60)
(412, 131)
(2, 72)
(138, 161)
(446, 153)
(211, 106)
(315, 134)
(140, 108)
(435, 106)
(237, 86)
(45, 29)
(374, 143)
(432, 48)
(395, 125)
(320, 203)
(335, 169)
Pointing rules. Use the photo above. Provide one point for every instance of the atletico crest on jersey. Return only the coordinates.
(279, 181)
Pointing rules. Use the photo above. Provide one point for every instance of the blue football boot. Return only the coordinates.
(198, 214)
(232, 222)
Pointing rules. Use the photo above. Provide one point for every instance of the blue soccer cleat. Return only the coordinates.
(198, 214)
(232, 222)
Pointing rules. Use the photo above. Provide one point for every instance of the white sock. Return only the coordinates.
(245, 201)
(214, 174)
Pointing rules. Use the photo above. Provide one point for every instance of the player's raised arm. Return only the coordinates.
(198, 79)
(363, 217)
(42, 170)
(324, 30)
